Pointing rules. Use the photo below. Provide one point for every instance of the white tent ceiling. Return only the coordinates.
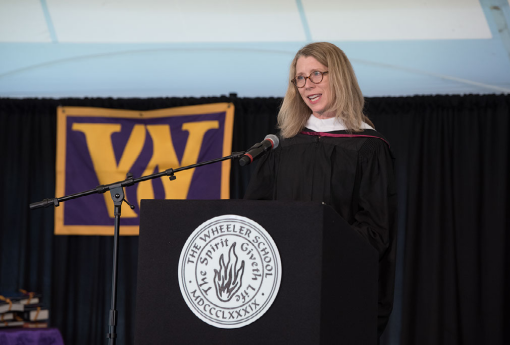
(152, 48)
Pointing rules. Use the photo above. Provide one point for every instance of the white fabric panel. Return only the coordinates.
(150, 21)
(22, 21)
(376, 20)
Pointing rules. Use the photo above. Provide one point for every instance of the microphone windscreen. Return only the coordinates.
(274, 139)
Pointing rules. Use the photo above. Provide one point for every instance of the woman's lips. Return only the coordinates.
(314, 98)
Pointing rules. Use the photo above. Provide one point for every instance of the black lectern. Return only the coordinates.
(328, 291)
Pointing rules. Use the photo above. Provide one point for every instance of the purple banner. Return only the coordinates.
(98, 146)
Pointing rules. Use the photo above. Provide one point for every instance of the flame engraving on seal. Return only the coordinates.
(228, 279)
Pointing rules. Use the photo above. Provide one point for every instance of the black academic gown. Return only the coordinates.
(354, 175)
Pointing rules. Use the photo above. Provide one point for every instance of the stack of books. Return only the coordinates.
(23, 309)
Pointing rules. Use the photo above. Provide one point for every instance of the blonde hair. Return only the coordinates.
(346, 98)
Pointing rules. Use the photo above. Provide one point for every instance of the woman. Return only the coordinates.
(330, 152)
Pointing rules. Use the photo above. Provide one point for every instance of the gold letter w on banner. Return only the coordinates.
(98, 138)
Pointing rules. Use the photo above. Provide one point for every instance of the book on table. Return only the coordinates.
(11, 323)
(10, 306)
(35, 313)
(6, 316)
(22, 297)
(36, 324)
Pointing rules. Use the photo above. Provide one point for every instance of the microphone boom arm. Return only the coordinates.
(129, 181)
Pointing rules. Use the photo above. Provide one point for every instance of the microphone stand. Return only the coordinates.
(117, 193)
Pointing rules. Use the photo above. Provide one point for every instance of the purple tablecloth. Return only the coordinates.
(22, 336)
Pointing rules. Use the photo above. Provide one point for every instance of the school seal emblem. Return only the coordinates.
(229, 271)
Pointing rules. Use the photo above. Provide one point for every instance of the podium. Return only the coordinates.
(328, 290)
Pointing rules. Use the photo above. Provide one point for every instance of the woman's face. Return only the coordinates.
(316, 96)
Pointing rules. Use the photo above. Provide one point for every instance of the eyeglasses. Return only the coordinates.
(315, 77)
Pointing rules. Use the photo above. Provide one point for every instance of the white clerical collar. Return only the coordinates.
(329, 125)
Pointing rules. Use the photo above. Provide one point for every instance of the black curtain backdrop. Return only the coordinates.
(453, 181)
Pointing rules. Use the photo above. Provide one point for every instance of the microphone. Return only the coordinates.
(270, 142)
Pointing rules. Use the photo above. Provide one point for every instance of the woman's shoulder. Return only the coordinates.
(374, 138)
(375, 143)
